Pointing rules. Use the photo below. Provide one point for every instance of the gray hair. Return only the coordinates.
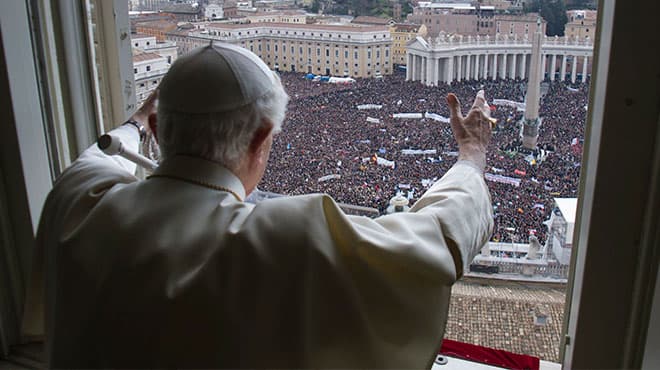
(220, 137)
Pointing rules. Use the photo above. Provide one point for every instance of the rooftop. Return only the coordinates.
(311, 27)
(160, 24)
(406, 27)
(568, 208)
(531, 17)
(139, 36)
(500, 315)
(181, 8)
(141, 56)
(363, 19)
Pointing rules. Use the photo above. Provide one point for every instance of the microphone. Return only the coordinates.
(111, 145)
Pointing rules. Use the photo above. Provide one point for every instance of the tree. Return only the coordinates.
(553, 11)
(315, 6)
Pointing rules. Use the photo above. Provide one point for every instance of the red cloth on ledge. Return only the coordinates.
(489, 356)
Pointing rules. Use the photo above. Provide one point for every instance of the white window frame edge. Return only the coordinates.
(609, 318)
(593, 129)
(34, 160)
(56, 66)
(115, 61)
(81, 94)
(650, 356)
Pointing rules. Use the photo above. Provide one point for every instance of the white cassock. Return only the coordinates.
(177, 271)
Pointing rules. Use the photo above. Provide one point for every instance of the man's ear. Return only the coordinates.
(153, 124)
(259, 137)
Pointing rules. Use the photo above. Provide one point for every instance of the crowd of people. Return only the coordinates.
(328, 145)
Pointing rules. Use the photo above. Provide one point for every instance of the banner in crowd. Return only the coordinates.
(384, 162)
(380, 161)
(408, 115)
(428, 182)
(418, 151)
(373, 120)
(436, 117)
(509, 103)
(341, 80)
(329, 177)
(502, 179)
(369, 106)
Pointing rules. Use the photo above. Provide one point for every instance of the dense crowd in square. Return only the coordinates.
(326, 134)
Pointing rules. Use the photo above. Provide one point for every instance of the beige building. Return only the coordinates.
(517, 25)
(147, 43)
(402, 33)
(339, 50)
(148, 69)
(467, 20)
(151, 60)
(498, 4)
(445, 20)
(581, 24)
(156, 28)
(286, 16)
(374, 21)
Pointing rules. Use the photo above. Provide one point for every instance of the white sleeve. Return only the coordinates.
(130, 139)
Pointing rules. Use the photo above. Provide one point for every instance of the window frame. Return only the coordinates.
(614, 197)
(621, 92)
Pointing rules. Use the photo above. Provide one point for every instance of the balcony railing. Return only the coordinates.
(444, 40)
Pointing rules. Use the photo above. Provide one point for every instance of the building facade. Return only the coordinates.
(148, 69)
(286, 16)
(467, 20)
(151, 60)
(346, 50)
(157, 28)
(445, 59)
(581, 24)
(561, 225)
(517, 25)
(402, 34)
(213, 11)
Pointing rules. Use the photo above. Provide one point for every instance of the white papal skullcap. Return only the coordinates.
(215, 78)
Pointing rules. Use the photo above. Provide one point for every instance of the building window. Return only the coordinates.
(148, 68)
(134, 70)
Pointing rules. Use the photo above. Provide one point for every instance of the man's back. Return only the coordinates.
(172, 271)
(176, 271)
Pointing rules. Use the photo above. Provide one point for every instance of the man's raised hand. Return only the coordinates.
(472, 132)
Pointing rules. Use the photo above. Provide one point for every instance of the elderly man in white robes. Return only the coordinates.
(178, 271)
